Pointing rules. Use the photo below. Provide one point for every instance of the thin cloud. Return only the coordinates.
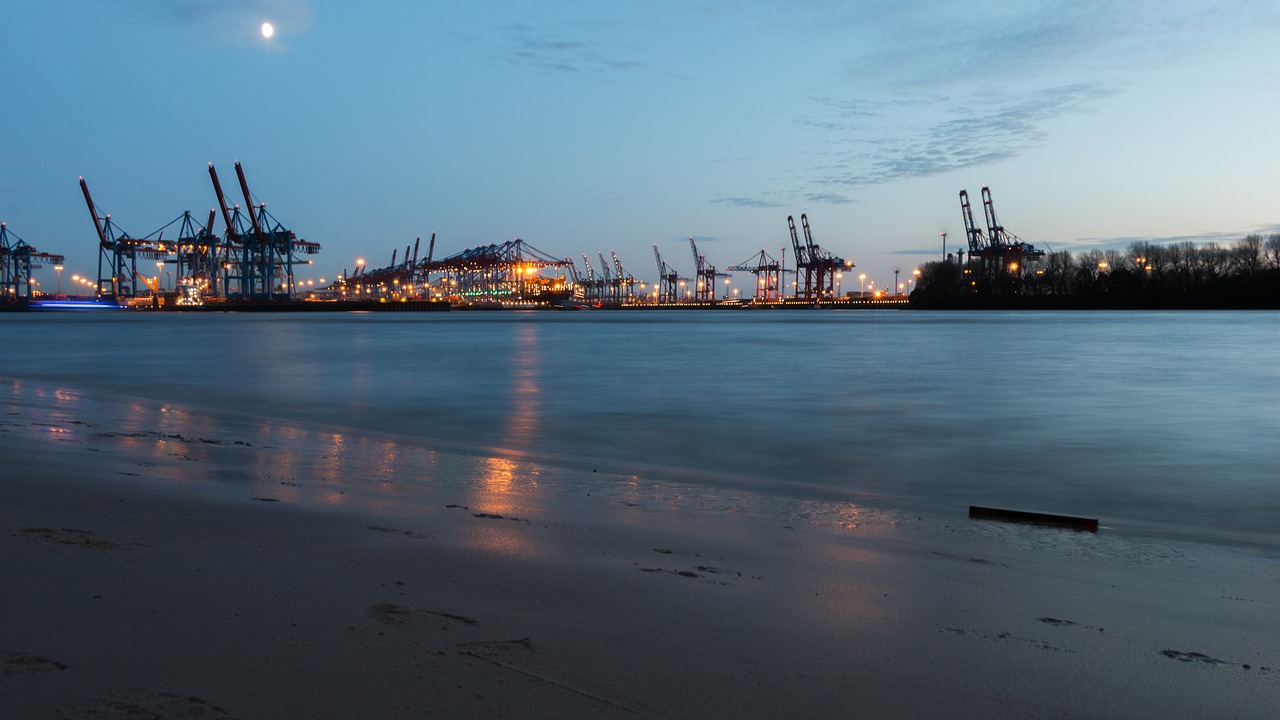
(533, 48)
(747, 202)
(829, 198)
(977, 134)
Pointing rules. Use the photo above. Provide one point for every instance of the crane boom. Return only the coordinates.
(973, 233)
(995, 233)
(697, 259)
(222, 203)
(801, 255)
(808, 236)
(248, 200)
(97, 221)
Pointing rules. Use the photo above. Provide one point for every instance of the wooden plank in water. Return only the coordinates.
(1019, 516)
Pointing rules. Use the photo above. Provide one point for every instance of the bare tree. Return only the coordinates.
(1246, 256)
(1140, 254)
(1057, 272)
(1272, 251)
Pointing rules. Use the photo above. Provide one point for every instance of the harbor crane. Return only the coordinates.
(194, 254)
(816, 267)
(997, 251)
(626, 281)
(17, 260)
(593, 287)
(705, 274)
(669, 280)
(977, 240)
(612, 282)
(119, 252)
(258, 255)
(769, 275)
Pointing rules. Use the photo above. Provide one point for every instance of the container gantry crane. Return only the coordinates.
(196, 257)
(669, 281)
(816, 268)
(705, 274)
(229, 254)
(593, 287)
(119, 252)
(17, 260)
(769, 275)
(612, 282)
(626, 281)
(274, 250)
(973, 234)
(998, 251)
(258, 255)
(194, 254)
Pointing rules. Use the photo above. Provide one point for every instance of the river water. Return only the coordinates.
(1166, 422)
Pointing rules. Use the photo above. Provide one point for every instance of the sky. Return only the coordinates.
(607, 125)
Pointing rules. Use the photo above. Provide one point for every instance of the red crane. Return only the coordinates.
(705, 274)
(816, 268)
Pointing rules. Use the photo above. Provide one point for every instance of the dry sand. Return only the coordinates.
(158, 563)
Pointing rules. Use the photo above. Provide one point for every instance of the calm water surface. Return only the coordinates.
(1154, 419)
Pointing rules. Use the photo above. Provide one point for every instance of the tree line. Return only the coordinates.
(1245, 274)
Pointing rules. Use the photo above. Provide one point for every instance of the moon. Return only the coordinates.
(268, 29)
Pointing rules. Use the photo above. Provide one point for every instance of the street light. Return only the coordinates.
(862, 284)
(58, 268)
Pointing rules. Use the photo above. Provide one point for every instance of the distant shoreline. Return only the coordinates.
(1020, 302)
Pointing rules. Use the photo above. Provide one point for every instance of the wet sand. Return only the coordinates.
(160, 563)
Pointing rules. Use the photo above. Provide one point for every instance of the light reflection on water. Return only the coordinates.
(1166, 418)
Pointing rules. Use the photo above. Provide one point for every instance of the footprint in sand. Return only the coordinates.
(69, 536)
(1192, 657)
(494, 648)
(23, 664)
(391, 614)
(142, 705)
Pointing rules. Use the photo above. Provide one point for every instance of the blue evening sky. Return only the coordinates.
(587, 126)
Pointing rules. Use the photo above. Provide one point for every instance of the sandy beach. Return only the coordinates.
(160, 563)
